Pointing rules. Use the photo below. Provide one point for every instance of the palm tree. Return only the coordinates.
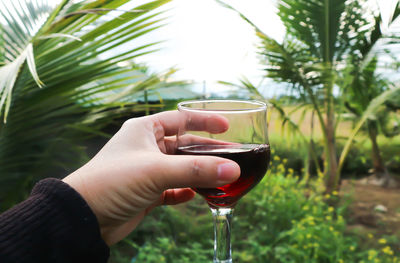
(321, 36)
(362, 82)
(366, 84)
(64, 78)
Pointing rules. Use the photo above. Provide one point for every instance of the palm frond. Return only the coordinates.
(316, 23)
(372, 108)
(90, 85)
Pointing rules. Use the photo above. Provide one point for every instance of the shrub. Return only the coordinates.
(284, 219)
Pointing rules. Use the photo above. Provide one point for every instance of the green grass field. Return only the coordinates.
(289, 143)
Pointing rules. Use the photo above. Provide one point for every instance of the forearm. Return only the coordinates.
(53, 225)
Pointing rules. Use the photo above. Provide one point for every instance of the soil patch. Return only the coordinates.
(374, 210)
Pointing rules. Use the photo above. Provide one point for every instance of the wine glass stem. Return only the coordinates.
(222, 234)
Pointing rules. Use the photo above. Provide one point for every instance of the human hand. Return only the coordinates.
(135, 171)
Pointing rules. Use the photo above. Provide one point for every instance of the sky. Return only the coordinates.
(208, 42)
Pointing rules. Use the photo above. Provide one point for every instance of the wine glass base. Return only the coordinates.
(223, 261)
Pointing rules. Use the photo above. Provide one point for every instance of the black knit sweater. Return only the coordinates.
(55, 225)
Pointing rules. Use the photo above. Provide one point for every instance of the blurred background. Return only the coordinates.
(71, 72)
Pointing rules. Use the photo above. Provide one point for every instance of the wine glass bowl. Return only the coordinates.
(253, 161)
(231, 129)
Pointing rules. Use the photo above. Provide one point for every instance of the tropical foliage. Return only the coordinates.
(283, 219)
(323, 39)
(64, 79)
(69, 77)
(363, 81)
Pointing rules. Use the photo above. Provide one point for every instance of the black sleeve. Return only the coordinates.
(54, 224)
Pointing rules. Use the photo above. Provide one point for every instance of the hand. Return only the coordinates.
(135, 171)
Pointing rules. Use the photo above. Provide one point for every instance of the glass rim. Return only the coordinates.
(260, 106)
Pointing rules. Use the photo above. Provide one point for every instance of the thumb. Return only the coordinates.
(177, 171)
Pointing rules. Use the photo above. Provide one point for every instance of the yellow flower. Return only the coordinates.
(371, 254)
(327, 196)
(387, 250)
(305, 208)
(352, 248)
(331, 229)
(272, 151)
(370, 235)
(331, 209)
(284, 161)
(328, 218)
(290, 171)
(276, 158)
(335, 193)
(340, 261)
(382, 241)
(308, 236)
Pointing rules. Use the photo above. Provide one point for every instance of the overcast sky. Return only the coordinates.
(208, 42)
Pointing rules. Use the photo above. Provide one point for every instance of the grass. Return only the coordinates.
(282, 220)
(305, 121)
(290, 144)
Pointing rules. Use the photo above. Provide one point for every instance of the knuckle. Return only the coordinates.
(128, 123)
(158, 128)
(195, 168)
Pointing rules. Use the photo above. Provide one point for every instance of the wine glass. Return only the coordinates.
(232, 129)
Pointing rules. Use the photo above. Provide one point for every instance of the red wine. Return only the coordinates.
(253, 160)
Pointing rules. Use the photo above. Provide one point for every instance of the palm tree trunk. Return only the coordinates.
(380, 170)
(331, 164)
(330, 154)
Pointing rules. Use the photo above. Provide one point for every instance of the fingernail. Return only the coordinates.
(226, 171)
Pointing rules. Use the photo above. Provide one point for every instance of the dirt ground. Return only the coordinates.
(374, 211)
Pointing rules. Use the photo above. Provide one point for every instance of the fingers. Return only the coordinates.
(174, 121)
(176, 196)
(178, 171)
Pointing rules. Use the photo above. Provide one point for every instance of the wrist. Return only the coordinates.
(77, 183)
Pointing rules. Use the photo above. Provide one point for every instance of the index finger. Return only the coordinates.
(175, 121)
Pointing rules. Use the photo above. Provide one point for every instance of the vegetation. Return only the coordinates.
(66, 85)
(282, 220)
(323, 41)
(65, 82)
(361, 84)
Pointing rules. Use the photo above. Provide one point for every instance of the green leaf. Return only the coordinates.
(87, 92)
(373, 107)
(54, 35)
(8, 76)
(31, 65)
